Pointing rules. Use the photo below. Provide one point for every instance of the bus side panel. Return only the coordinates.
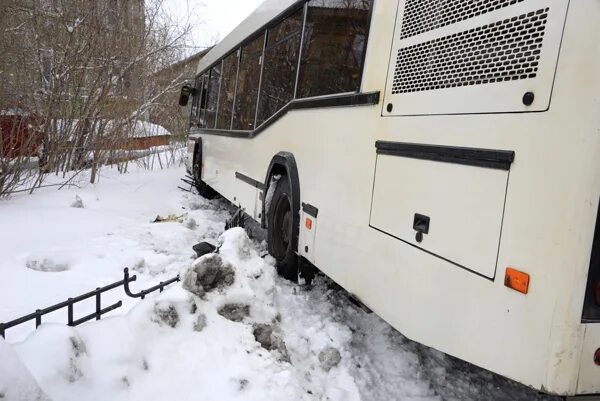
(222, 160)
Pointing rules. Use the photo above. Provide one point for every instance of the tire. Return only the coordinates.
(281, 239)
(196, 163)
(203, 189)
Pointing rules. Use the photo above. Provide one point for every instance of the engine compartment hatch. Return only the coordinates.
(447, 201)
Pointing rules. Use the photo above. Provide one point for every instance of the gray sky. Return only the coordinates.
(213, 19)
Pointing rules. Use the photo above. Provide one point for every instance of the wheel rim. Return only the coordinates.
(282, 229)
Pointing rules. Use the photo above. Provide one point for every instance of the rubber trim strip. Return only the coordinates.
(488, 158)
(344, 100)
(251, 181)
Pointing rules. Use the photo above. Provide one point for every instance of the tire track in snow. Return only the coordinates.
(385, 365)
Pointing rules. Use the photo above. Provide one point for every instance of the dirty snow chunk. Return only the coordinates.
(78, 346)
(49, 262)
(265, 336)
(200, 323)
(16, 382)
(195, 205)
(138, 265)
(172, 218)
(208, 273)
(235, 312)
(329, 358)
(203, 248)
(78, 203)
(78, 349)
(243, 383)
(167, 314)
(237, 241)
(191, 223)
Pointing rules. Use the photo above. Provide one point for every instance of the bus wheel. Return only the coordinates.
(196, 167)
(280, 231)
(203, 190)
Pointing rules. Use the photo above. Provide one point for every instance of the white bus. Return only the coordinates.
(437, 159)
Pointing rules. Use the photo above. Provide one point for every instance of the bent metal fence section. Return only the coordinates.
(97, 293)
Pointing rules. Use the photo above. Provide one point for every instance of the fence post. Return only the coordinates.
(98, 304)
(2, 330)
(70, 312)
(38, 318)
(161, 286)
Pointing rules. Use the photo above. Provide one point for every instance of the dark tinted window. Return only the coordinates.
(281, 64)
(196, 103)
(213, 96)
(230, 66)
(248, 82)
(333, 48)
(202, 96)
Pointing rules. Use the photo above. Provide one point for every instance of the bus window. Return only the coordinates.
(195, 103)
(203, 97)
(281, 63)
(333, 47)
(213, 96)
(230, 67)
(248, 82)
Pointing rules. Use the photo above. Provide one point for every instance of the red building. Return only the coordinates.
(17, 136)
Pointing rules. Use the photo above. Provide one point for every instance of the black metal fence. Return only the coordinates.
(97, 293)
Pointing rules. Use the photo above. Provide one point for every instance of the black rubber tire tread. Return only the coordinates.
(287, 267)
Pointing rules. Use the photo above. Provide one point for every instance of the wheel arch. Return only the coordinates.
(197, 155)
(196, 158)
(285, 163)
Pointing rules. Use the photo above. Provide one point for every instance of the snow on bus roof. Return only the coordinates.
(267, 11)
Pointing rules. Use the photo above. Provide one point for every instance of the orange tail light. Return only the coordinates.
(308, 223)
(516, 280)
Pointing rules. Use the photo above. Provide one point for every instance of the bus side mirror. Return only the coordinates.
(185, 93)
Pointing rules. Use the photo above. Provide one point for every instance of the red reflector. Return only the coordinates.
(308, 223)
(597, 357)
(598, 292)
(516, 280)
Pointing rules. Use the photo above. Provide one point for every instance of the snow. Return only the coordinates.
(143, 129)
(16, 382)
(231, 330)
(140, 129)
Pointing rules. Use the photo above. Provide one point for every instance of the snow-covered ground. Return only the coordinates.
(244, 334)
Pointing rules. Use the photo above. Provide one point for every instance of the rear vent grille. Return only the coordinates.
(506, 50)
(425, 15)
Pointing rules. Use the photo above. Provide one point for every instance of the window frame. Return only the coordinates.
(222, 87)
(195, 109)
(269, 47)
(241, 53)
(264, 30)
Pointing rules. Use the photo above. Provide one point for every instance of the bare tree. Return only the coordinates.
(80, 74)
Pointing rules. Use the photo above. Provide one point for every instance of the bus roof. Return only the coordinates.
(266, 12)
